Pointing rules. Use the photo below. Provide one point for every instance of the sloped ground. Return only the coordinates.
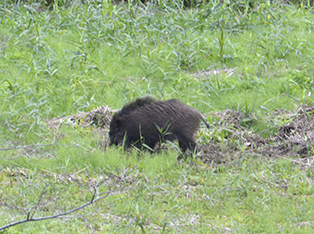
(295, 138)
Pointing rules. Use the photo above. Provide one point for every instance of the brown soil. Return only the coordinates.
(294, 139)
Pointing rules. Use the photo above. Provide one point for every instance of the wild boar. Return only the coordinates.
(149, 121)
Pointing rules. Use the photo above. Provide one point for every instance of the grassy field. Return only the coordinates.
(215, 57)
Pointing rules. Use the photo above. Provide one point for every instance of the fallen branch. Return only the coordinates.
(30, 214)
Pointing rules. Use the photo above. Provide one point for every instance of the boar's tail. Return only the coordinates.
(207, 125)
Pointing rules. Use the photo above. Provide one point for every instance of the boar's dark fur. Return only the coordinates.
(140, 122)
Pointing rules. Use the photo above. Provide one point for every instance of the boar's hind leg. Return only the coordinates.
(185, 143)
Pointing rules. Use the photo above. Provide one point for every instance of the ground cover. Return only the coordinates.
(249, 70)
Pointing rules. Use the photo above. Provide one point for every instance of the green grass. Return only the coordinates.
(248, 196)
(76, 58)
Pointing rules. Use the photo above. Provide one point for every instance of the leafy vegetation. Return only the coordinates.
(56, 62)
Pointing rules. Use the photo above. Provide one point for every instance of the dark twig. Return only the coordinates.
(30, 213)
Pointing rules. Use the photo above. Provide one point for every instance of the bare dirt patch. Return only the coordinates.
(294, 139)
(213, 72)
